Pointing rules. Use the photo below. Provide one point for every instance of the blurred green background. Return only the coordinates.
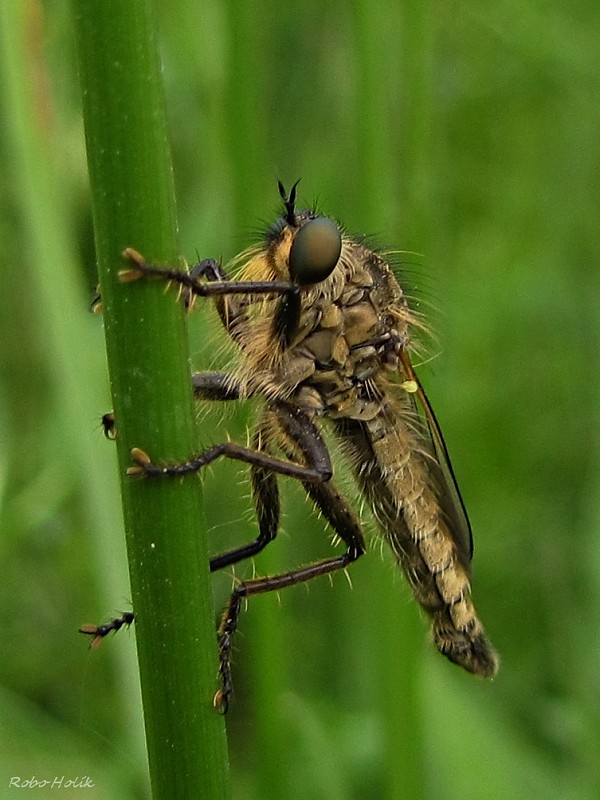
(465, 135)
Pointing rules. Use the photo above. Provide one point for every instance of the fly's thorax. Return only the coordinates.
(350, 328)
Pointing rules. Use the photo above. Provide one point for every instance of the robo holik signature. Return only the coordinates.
(325, 332)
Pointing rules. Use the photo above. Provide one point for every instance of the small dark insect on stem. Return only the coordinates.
(108, 426)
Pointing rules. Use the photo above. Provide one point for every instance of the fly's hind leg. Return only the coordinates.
(299, 439)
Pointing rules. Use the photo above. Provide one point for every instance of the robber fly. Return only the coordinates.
(325, 333)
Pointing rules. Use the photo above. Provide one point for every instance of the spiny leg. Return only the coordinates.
(310, 447)
(294, 442)
(259, 586)
(300, 441)
(266, 501)
(206, 386)
(215, 283)
(311, 464)
(100, 631)
(216, 386)
(317, 469)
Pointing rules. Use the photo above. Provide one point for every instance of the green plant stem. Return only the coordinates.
(76, 374)
(133, 205)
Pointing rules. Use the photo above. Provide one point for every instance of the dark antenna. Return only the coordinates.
(289, 203)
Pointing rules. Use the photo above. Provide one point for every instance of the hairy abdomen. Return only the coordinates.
(392, 472)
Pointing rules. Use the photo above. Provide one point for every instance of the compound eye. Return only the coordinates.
(315, 251)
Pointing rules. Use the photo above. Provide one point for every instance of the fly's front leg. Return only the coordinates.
(206, 279)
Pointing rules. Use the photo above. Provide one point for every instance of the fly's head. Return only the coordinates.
(301, 247)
